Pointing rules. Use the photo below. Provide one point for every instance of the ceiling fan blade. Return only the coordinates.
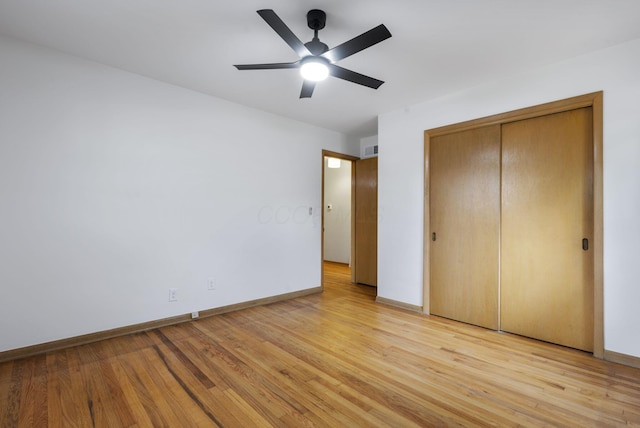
(283, 31)
(352, 76)
(355, 45)
(274, 66)
(307, 89)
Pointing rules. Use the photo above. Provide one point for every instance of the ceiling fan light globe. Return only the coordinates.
(314, 70)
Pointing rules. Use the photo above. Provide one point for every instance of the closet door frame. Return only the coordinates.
(593, 100)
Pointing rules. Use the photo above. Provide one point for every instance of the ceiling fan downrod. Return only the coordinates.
(316, 20)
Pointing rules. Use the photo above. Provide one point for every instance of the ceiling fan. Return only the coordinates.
(317, 61)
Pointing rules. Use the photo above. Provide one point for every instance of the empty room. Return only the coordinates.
(319, 213)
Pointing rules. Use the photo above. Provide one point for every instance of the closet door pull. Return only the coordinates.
(585, 244)
(433, 237)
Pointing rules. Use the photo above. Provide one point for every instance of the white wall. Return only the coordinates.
(337, 220)
(616, 71)
(115, 188)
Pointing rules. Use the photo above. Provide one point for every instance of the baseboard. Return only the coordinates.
(627, 360)
(401, 305)
(259, 302)
(29, 351)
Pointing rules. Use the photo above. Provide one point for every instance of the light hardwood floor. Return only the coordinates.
(332, 359)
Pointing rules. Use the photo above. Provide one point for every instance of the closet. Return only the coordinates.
(509, 223)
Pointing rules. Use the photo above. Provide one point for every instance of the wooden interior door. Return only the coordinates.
(547, 217)
(465, 224)
(366, 221)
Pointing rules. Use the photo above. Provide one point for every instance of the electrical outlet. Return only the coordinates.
(211, 285)
(173, 294)
(195, 315)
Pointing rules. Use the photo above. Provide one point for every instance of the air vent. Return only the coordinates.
(371, 151)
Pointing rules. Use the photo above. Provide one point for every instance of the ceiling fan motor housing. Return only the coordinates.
(316, 19)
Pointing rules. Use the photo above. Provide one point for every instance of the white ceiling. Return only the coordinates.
(438, 46)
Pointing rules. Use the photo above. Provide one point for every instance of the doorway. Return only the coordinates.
(338, 205)
(337, 210)
(363, 217)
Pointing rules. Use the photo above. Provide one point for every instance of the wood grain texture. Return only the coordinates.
(465, 225)
(627, 360)
(397, 304)
(29, 351)
(598, 227)
(366, 221)
(593, 100)
(547, 210)
(335, 359)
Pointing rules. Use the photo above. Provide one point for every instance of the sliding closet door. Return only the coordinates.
(464, 225)
(547, 222)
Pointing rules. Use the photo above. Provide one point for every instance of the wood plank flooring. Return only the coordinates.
(335, 359)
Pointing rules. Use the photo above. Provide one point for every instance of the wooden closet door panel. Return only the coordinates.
(547, 211)
(366, 221)
(465, 217)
